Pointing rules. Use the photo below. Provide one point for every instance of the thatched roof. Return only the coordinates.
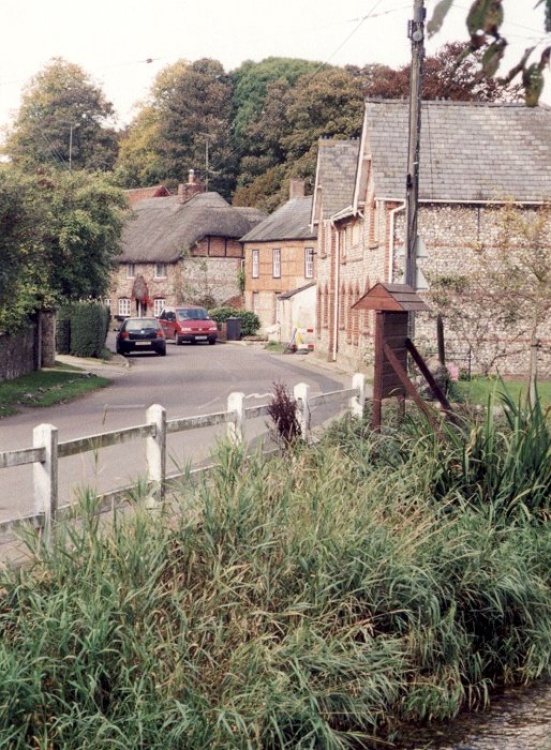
(161, 230)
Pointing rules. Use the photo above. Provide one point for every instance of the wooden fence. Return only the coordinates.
(47, 450)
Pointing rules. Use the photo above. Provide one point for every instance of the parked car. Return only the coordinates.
(139, 334)
(189, 323)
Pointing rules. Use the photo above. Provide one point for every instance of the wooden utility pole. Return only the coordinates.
(416, 33)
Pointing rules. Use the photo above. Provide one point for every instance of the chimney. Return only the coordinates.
(190, 188)
(296, 189)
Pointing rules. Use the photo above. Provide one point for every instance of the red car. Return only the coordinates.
(189, 323)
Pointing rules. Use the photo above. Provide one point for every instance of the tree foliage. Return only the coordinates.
(63, 122)
(61, 235)
(443, 78)
(186, 125)
(484, 21)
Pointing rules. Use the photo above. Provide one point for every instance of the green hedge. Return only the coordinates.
(82, 329)
(250, 322)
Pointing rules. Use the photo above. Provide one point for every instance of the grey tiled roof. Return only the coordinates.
(469, 151)
(161, 229)
(290, 222)
(336, 174)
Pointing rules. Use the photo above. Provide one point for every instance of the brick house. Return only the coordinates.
(180, 248)
(280, 266)
(475, 158)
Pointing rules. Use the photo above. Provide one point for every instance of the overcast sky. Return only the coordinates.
(112, 40)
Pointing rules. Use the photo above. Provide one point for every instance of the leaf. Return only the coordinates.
(547, 13)
(440, 12)
(493, 56)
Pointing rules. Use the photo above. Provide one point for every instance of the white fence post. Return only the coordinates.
(301, 394)
(45, 477)
(236, 430)
(357, 403)
(155, 451)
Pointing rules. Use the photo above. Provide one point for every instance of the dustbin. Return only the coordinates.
(233, 329)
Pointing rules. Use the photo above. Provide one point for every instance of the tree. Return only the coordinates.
(62, 122)
(61, 235)
(443, 78)
(504, 301)
(284, 138)
(185, 125)
(484, 21)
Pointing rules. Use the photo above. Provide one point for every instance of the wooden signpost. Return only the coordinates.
(393, 304)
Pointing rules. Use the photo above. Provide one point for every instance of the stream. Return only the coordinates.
(520, 719)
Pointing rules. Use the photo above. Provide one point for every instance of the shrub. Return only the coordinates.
(82, 329)
(250, 322)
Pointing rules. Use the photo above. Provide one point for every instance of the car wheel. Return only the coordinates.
(212, 341)
(161, 352)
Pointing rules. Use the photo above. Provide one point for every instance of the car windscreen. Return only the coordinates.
(137, 325)
(193, 314)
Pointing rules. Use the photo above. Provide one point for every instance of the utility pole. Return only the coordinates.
(416, 33)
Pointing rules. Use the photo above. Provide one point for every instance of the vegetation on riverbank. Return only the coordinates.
(320, 599)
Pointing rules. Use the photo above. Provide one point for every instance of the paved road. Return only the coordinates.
(190, 380)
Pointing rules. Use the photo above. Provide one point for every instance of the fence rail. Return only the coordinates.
(47, 450)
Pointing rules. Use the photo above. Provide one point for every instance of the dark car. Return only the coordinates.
(189, 323)
(141, 334)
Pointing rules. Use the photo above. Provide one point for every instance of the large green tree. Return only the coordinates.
(185, 125)
(64, 121)
(59, 241)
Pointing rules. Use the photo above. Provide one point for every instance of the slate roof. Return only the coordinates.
(161, 229)
(470, 152)
(335, 175)
(289, 222)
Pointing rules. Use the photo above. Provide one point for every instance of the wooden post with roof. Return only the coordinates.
(393, 304)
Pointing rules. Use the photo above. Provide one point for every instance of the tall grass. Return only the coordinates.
(320, 600)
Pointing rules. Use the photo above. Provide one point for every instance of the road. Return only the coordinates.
(190, 380)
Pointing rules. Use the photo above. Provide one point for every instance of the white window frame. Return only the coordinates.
(159, 305)
(276, 263)
(130, 270)
(308, 262)
(255, 262)
(160, 270)
(123, 306)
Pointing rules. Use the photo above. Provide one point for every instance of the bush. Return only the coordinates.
(82, 329)
(250, 322)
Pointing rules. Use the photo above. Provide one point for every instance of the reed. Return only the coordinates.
(322, 599)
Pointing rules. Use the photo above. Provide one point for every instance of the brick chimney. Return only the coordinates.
(296, 189)
(190, 188)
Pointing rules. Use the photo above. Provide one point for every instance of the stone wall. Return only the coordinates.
(450, 236)
(18, 353)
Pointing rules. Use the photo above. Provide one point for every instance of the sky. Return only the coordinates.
(123, 44)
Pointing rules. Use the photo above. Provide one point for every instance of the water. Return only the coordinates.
(518, 720)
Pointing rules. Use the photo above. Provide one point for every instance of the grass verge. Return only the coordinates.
(46, 388)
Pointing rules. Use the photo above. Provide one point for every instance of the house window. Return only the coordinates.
(158, 306)
(309, 262)
(160, 270)
(130, 270)
(107, 302)
(276, 264)
(124, 306)
(255, 259)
